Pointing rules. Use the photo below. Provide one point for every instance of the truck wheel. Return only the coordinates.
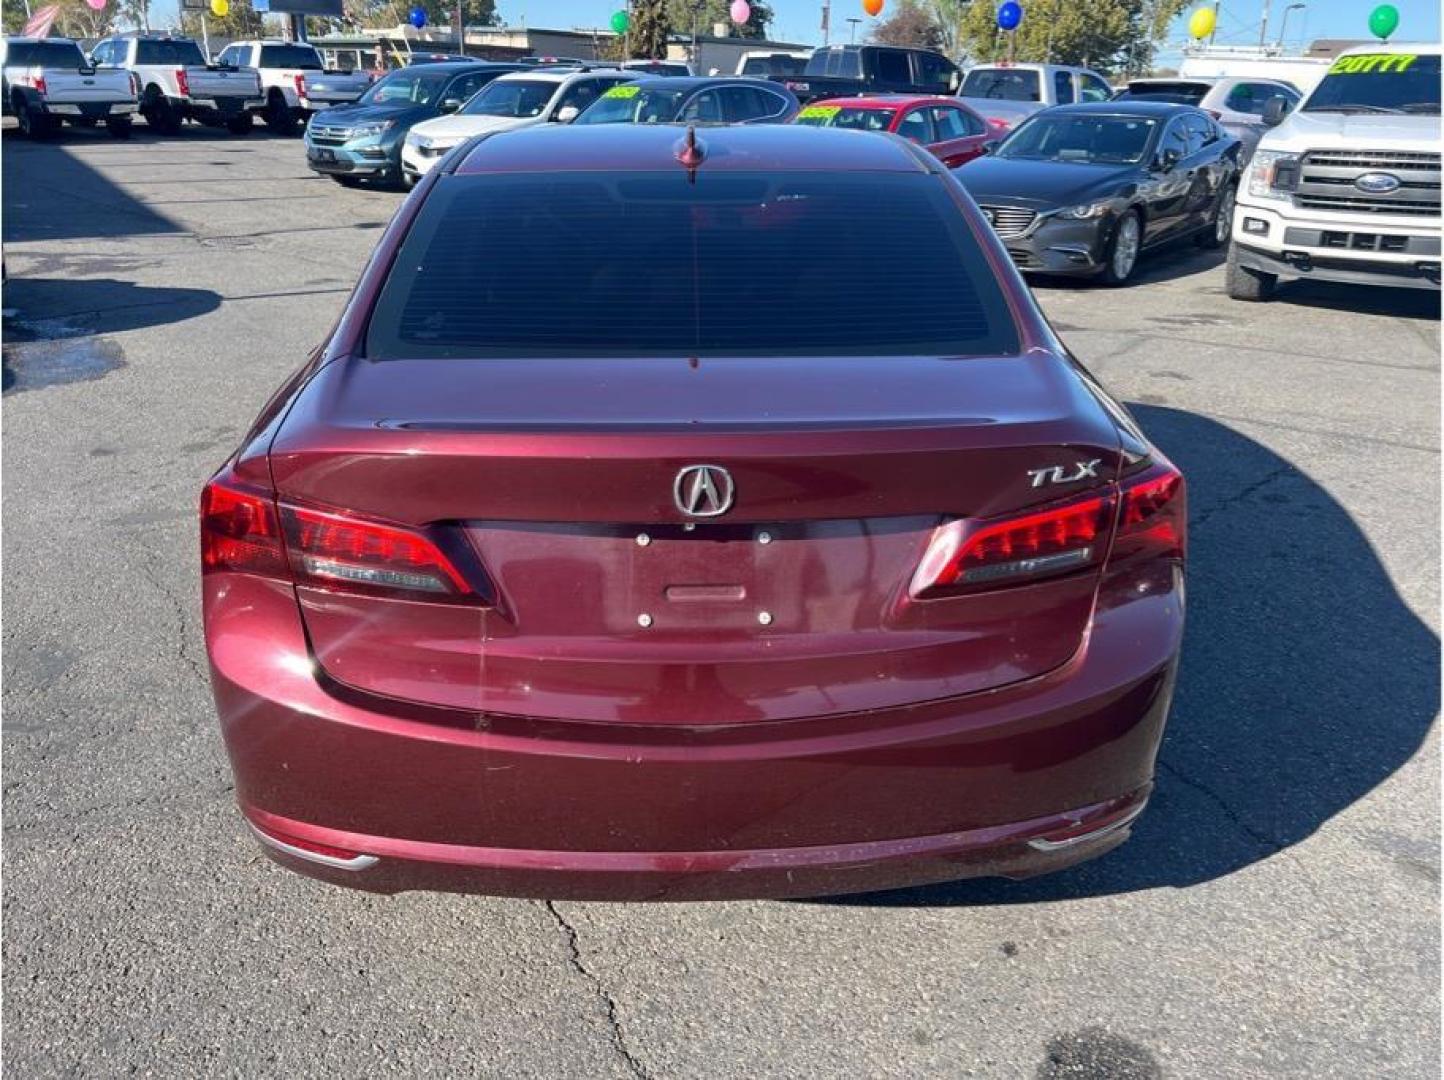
(160, 115)
(279, 117)
(1220, 225)
(240, 125)
(1245, 283)
(119, 127)
(1122, 252)
(33, 123)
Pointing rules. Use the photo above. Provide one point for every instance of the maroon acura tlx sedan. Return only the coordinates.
(685, 514)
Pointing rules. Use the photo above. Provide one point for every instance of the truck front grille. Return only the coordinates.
(1327, 181)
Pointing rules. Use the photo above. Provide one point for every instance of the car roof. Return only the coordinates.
(1124, 108)
(1178, 80)
(889, 101)
(654, 148)
(695, 82)
(447, 67)
(530, 74)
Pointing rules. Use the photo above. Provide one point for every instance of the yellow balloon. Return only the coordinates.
(220, 8)
(1200, 23)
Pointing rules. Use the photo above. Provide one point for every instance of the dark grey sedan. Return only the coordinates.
(1085, 189)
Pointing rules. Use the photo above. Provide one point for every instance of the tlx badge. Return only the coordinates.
(1058, 474)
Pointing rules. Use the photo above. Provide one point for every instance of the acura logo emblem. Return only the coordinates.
(703, 490)
(1377, 183)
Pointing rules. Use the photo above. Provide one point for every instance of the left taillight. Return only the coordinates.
(300, 85)
(240, 531)
(245, 530)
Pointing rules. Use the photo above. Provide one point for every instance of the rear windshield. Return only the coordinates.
(180, 53)
(290, 56)
(1176, 93)
(839, 63)
(52, 54)
(777, 64)
(1001, 84)
(737, 264)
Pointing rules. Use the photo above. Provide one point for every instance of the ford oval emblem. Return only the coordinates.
(1377, 183)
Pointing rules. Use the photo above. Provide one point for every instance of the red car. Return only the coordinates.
(608, 549)
(950, 130)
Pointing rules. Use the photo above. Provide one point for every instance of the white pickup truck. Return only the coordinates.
(1006, 94)
(294, 80)
(1346, 188)
(48, 81)
(175, 84)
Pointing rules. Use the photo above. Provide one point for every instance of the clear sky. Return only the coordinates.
(799, 20)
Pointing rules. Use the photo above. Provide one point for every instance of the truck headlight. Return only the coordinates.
(1272, 174)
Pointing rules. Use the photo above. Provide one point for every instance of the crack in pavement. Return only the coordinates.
(574, 955)
(1201, 517)
(182, 626)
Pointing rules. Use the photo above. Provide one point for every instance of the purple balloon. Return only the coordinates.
(1010, 15)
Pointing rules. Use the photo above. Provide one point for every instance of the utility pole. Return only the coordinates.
(852, 30)
(1263, 27)
(1214, 32)
(826, 21)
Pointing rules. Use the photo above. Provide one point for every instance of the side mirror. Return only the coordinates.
(991, 146)
(566, 114)
(451, 104)
(955, 80)
(1167, 160)
(1275, 109)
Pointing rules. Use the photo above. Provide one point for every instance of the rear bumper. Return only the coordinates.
(93, 110)
(220, 109)
(1014, 782)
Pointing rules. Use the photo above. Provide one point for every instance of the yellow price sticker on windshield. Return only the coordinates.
(819, 112)
(622, 92)
(1372, 63)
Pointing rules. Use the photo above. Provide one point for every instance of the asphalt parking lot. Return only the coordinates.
(1275, 913)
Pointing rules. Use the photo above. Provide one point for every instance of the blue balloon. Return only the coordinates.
(1010, 15)
(417, 17)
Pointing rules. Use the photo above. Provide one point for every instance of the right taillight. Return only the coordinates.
(245, 530)
(182, 82)
(1153, 518)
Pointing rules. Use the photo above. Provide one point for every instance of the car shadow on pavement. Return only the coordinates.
(1392, 303)
(1177, 259)
(55, 328)
(1306, 682)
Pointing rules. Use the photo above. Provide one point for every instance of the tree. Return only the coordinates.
(439, 13)
(911, 24)
(241, 21)
(648, 35)
(709, 12)
(1109, 35)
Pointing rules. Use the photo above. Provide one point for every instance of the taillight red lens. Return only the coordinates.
(39, 83)
(300, 86)
(980, 555)
(182, 82)
(243, 530)
(239, 531)
(341, 551)
(1154, 514)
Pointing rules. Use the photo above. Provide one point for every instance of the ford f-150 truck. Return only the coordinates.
(850, 70)
(294, 80)
(48, 81)
(175, 84)
(1006, 94)
(1347, 187)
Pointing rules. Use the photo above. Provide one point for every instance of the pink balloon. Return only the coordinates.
(96, 5)
(740, 11)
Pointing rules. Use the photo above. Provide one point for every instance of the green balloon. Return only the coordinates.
(1383, 20)
(620, 22)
